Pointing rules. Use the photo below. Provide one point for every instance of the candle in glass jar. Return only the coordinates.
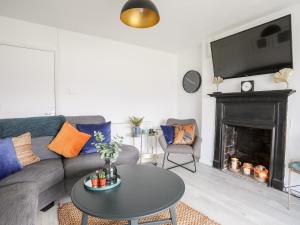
(263, 175)
(247, 168)
(247, 171)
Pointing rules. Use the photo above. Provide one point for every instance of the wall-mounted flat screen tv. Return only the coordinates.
(264, 49)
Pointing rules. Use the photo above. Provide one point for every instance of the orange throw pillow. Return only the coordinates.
(184, 134)
(69, 141)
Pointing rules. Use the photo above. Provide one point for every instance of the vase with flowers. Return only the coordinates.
(109, 152)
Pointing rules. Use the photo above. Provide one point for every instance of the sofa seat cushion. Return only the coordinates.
(179, 149)
(45, 173)
(19, 203)
(84, 164)
(128, 156)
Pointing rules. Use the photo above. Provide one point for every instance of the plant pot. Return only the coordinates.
(102, 182)
(136, 131)
(95, 183)
(111, 172)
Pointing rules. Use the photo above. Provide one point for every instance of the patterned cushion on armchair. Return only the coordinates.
(184, 134)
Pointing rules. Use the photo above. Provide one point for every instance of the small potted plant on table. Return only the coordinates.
(94, 180)
(136, 123)
(102, 179)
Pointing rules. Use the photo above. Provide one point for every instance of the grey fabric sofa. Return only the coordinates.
(36, 186)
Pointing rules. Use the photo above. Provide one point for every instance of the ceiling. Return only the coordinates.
(183, 22)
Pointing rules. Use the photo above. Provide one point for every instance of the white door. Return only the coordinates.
(26, 82)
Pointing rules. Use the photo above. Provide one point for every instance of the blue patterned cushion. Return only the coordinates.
(168, 132)
(9, 162)
(104, 128)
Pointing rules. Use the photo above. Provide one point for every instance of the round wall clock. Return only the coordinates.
(191, 81)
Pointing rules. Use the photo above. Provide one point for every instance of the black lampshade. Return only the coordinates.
(140, 14)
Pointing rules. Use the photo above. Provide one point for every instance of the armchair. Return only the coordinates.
(181, 149)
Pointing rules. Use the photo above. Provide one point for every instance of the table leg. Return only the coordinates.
(84, 219)
(133, 222)
(173, 214)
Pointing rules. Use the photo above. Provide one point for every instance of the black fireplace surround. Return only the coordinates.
(263, 110)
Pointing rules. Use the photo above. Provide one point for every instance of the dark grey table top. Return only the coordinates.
(144, 190)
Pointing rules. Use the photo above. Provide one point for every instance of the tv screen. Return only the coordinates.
(260, 50)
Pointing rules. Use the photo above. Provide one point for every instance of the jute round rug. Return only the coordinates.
(68, 214)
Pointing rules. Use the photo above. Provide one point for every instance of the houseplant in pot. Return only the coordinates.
(109, 152)
(102, 179)
(94, 180)
(136, 123)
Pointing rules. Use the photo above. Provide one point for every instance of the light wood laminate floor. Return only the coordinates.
(227, 199)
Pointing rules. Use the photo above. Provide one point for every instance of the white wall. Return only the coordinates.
(263, 82)
(189, 104)
(100, 76)
(26, 34)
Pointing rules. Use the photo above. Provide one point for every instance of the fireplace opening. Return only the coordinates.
(247, 151)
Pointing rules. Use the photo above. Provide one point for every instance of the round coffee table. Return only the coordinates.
(144, 191)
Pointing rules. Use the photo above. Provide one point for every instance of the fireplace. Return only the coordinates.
(249, 145)
(252, 128)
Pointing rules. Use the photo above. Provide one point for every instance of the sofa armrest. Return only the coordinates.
(162, 142)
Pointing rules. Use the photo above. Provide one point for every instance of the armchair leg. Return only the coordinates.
(180, 165)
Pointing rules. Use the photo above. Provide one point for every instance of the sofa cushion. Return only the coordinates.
(168, 132)
(45, 173)
(184, 134)
(84, 164)
(179, 149)
(37, 126)
(23, 149)
(9, 162)
(69, 141)
(22, 199)
(104, 128)
(128, 156)
(40, 148)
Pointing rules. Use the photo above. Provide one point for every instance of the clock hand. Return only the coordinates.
(189, 80)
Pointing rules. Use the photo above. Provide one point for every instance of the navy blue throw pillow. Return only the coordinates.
(104, 128)
(9, 162)
(168, 132)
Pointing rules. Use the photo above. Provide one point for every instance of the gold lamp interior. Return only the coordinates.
(139, 16)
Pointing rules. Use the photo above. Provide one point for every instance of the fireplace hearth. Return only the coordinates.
(252, 128)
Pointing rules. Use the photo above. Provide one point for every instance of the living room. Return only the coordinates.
(68, 64)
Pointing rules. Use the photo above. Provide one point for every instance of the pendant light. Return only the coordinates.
(140, 14)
